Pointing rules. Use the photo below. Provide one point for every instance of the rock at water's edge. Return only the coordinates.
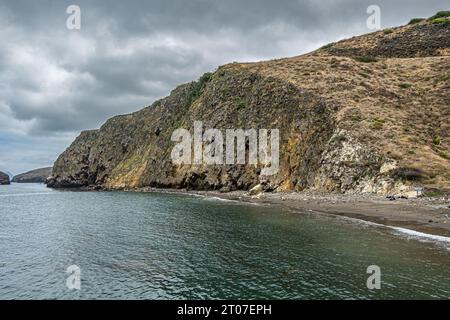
(4, 178)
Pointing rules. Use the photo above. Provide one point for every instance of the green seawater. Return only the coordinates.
(166, 246)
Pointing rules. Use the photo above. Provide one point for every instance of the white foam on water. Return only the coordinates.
(214, 198)
(219, 199)
(420, 235)
(195, 195)
(363, 222)
(207, 197)
(404, 232)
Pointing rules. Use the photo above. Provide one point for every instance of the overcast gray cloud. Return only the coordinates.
(55, 82)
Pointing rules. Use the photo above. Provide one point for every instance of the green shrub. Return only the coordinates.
(327, 46)
(241, 104)
(365, 59)
(441, 21)
(206, 77)
(197, 87)
(436, 141)
(440, 14)
(416, 20)
(388, 31)
(221, 72)
(444, 155)
(434, 193)
(377, 123)
(377, 126)
(404, 85)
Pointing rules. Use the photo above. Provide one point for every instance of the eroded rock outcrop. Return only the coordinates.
(348, 123)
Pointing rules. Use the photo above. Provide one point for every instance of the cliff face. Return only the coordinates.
(34, 176)
(368, 114)
(4, 178)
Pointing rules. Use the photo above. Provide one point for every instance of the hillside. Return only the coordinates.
(34, 176)
(367, 114)
(4, 178)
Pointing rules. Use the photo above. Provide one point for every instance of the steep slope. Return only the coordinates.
(4, 178)
(368, 114)
(34, 176)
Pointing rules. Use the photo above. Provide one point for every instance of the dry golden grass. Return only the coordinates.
(398, 105)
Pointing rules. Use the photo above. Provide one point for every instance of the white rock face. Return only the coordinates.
(343, 163)
(256, 190)
(388, 166)
(349, 166)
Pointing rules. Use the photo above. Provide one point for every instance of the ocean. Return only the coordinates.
(124, 245)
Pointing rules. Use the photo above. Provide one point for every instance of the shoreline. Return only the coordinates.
(429, 216)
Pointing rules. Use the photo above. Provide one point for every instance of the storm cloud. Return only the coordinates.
(55, 82)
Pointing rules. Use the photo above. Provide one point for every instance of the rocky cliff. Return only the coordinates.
(4, 178)
(368, 114)
(34, 176)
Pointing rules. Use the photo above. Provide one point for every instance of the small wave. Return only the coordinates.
(240, 202)
(361, 221)
(219, 199)
(402, 232)
(420, 235)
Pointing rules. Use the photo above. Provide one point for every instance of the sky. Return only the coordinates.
(56, 81)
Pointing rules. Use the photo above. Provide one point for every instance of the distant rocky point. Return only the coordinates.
(4, 178)
(34, 176)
